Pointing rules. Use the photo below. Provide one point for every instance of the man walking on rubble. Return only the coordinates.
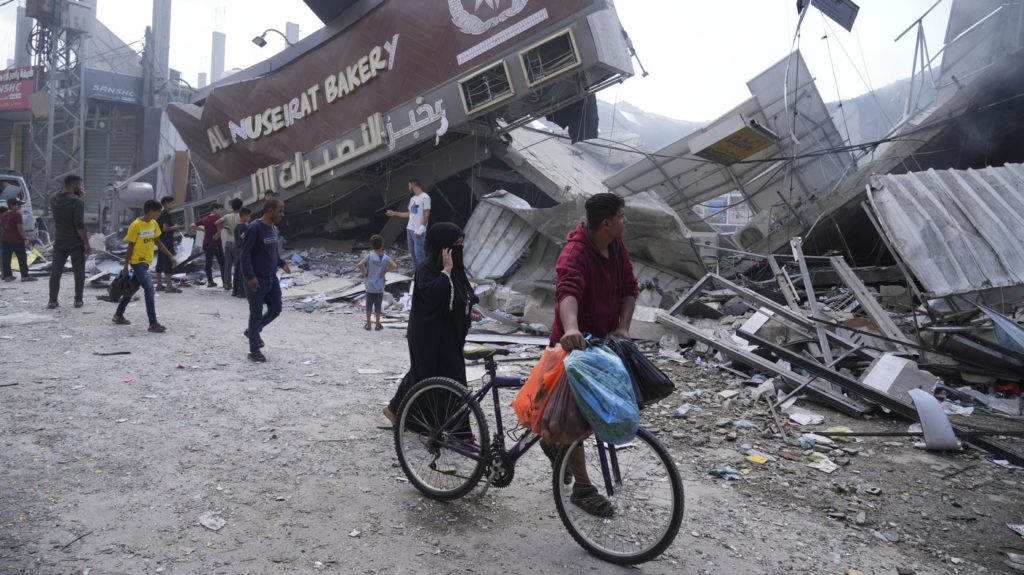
(259, 259)
(419, 218)
(595, 293)
(70, 241)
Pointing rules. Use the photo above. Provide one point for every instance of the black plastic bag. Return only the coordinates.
(650, 384)
(121, 286)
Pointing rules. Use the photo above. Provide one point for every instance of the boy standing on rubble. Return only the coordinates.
(143, 235)
(374, 267)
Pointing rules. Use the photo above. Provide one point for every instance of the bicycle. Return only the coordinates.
(444, 448)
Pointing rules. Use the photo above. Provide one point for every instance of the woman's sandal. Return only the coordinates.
(588, 499)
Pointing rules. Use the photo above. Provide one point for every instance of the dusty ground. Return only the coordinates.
(108, 462)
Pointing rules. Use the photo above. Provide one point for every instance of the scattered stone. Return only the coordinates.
(212, 521)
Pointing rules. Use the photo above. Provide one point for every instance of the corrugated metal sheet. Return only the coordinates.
(496, 238)
(959, 231)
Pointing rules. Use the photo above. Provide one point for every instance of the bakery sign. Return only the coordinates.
(335, 87)
(16, 84)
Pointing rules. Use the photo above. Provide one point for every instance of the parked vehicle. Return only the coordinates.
(12, 185)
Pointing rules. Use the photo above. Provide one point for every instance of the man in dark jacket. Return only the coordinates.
(595, 293)
(259, 260)
(70, 240)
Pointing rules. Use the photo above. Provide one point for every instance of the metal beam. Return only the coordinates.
(812, 300)
(794, 380)
(869, 393)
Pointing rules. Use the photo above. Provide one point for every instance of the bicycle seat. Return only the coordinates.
(482, 352)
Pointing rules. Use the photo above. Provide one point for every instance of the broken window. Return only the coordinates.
(550, 58)
(726, 213)
(486, 88)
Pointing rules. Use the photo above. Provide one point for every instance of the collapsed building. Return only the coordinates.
(853, 265)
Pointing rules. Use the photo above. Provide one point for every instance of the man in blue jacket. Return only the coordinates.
(259, 259)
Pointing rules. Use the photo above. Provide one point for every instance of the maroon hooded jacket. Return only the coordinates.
(598, 283)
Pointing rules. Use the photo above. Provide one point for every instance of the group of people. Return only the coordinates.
(595, 289)
(251, 247)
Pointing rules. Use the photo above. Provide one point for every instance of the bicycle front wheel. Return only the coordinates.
(441, 438)
(623, 503)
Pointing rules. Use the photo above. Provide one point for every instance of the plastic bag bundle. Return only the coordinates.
(563, 423)
(604, 393)
(534, 396)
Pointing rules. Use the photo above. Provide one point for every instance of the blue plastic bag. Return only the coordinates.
(604, 393)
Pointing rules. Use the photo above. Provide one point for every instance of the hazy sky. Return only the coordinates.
(699, 53)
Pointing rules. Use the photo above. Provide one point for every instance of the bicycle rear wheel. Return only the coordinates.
(646, 493)
(441, 438)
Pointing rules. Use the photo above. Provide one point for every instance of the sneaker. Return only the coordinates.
(173, 290)
(79, 303)
(161, 287)
(238, 295)
(121, 320)
(8, 278)
(27, 279)
(246, 334)
(156, 328)
(257, 357)
(227, 287)
(211, 284)
(52, 305)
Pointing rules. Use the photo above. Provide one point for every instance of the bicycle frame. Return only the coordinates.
(607, 453)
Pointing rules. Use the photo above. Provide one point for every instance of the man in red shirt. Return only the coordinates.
(595, 294)
(14, 239)
(211, 243)
(595, 289)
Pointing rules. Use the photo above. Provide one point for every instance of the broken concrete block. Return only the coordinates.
(896, 376)
(761, 324)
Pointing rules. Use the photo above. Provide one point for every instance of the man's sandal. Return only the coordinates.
(588, 499)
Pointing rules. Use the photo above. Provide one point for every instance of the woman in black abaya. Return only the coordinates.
(442, 310)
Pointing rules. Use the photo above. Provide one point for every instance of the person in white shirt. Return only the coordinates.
(419, 217)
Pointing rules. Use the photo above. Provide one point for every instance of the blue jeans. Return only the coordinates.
(141, 272)
(269, 294)
(416, 246)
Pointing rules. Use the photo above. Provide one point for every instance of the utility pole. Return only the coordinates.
(58, 141)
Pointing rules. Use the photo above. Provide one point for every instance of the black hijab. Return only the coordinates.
(443, 236)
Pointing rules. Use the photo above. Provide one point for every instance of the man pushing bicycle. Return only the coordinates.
(595, 293)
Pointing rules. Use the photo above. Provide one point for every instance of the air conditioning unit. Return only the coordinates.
(78, 17)
(486, 88)
(705, 242)
(754, 231)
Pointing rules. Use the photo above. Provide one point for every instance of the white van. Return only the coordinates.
(12, 185)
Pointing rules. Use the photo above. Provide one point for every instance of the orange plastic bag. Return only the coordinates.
(535, 394)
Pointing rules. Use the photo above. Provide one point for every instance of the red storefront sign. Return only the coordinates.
(15, 86)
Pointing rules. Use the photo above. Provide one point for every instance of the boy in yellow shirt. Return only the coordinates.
(142, 238)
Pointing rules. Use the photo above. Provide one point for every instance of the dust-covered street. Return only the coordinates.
(112, 463)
